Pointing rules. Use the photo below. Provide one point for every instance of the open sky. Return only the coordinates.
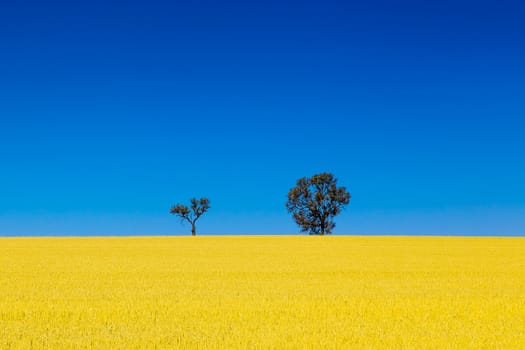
(110, 112)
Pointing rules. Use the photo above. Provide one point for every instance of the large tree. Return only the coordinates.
(315, 201)
(193, 213)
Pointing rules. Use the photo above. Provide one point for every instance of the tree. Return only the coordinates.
(314, 202)
(193, 213)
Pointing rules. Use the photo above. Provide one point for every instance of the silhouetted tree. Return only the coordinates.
(193, 213)
(314, 202)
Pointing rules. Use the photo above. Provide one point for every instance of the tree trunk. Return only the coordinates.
(193, 231)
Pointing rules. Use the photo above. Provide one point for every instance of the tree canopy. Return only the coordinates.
(193, 213)
(315, 201)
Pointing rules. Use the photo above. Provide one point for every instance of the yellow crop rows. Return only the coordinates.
(262, 292)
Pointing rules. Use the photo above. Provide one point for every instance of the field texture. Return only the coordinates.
(262, 293)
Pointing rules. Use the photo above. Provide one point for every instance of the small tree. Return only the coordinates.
(314, 202)
(193, 213)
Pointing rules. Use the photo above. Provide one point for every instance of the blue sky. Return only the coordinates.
(113, 111)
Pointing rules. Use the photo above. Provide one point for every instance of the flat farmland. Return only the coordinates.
(262, 292)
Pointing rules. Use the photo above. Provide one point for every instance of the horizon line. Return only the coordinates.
(265, 235)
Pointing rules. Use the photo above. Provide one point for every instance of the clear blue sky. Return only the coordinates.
(113, 111)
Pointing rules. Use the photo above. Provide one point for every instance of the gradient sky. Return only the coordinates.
(113, 111)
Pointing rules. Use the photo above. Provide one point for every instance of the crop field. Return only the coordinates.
(262, 292)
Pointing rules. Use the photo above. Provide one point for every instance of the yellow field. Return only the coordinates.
(262, 292)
